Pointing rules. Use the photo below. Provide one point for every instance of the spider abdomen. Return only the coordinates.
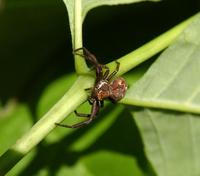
(118, 89)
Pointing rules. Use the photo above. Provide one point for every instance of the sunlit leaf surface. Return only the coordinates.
(173, 80)
(172, 138)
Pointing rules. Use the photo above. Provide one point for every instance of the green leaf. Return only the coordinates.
(102, 163)
(15, 120)
(172, 141)
(11, 120)
(172, 82)
(171, 138)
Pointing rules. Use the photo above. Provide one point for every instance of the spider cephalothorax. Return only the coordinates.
(104, 87)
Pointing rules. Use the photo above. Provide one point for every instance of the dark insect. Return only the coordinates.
(104, 88)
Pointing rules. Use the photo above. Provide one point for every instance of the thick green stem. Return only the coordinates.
(148, 50)
(67, 104)
(80, 64)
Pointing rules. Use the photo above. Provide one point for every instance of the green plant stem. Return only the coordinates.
(73, 98)
(80, 64)
(77, 95)
(67, 104)
(148, 50)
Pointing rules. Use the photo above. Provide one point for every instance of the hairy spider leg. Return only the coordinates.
(95, 109)
(114, 72)
(99, 72)
(90, 101)
(105, 75)
(90, 57)
(101, 104)
(99, 67)
(77, 114)
(81, 114)
(87, 55)
(75, 52)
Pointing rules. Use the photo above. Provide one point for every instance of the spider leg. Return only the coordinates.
(78, 49)
(90, 101)
(89, 91)
(114, 72)
(95, 110)
(104, 66)
(91, 57)
(87, 55)
(75, 52)
(77, 125)
(99, 72)
(81, 114)
(105, 75)
(80, 124)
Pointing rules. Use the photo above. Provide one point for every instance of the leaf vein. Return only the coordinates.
(159, 141)
(189, 100)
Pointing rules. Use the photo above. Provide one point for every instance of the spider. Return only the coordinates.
(103, 88)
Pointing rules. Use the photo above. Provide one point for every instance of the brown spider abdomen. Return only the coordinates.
(118, 89)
